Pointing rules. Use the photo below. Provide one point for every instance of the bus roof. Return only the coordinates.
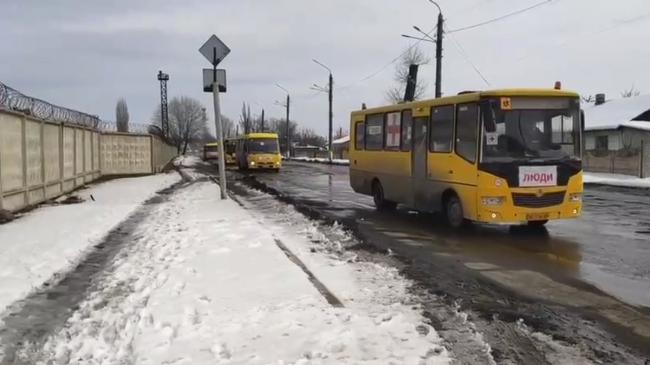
(213, 144)
(468, 97)
(261, 135)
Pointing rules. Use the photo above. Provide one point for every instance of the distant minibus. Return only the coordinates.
(259, 151)
(211, 151)
(504, 156)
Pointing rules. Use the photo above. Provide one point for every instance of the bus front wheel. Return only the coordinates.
(454, 212)
(378, 196)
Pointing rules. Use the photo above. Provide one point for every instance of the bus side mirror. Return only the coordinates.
(488, 115)
(582, 119)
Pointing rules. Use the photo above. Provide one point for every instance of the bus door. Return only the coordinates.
(419, 162)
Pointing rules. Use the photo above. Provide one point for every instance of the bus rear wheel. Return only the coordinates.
(453, 210)
(378, 196)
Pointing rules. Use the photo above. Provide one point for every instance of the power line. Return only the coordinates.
(464, 54)
(500, 17)
(384, 67)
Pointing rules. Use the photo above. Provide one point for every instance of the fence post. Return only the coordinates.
(43, 179)
(23, 151)
(61, 158)
(641, 162)
(2, 194)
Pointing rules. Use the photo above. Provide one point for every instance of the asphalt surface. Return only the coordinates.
(584, 284)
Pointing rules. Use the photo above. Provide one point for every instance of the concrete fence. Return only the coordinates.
(635, 164)
(41, 160)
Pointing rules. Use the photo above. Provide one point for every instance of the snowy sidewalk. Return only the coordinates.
(50, 239)
(205, 282)
(616, 180)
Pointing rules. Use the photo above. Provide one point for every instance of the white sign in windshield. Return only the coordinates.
(537, 176)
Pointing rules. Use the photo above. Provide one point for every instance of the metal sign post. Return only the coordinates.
(214, 50)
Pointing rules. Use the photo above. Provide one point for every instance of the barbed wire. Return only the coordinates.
(12, 99)
(110, 126)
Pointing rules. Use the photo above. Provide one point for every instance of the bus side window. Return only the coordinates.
(442, 129)
(467, 131)
(407, 126)
(359, 132)
(374, 132)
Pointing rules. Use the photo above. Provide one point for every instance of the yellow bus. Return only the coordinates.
(509, 156)
(211, 151)
(259, 151)
(230, 150)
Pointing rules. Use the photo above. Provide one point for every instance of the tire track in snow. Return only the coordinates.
(26, 324)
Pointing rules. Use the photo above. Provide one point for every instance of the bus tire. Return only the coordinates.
(378, 197)
(453, 211)
(537, 223)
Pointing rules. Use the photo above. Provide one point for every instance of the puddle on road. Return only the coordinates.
(28, 322)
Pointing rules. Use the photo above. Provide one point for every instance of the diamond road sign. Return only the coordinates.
(214, 50)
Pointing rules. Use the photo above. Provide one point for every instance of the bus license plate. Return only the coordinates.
(537, 216)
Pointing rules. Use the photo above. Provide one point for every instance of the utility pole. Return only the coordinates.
(331, 116)
(288, 127)
(287, 105)
(262, 126)
(439, 53)
(164, 117)
(330, 94)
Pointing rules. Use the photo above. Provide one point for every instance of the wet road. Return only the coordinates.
(587, 278)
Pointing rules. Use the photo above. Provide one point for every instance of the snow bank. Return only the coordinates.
(616, 180)
(335, 161)
(50, 238)
(206, 283)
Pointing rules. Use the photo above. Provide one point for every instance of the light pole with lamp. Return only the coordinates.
(287, 105)
(330, 90)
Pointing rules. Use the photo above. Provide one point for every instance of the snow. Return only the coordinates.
(50, 239)
(206, 283)
(616, 180)
(335, 161)
(616, 113)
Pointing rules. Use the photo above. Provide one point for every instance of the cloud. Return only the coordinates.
(86, 54)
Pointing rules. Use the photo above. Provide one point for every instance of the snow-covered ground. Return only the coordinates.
(335, 161)
(51, 238)
(616, 180)
(207, 281)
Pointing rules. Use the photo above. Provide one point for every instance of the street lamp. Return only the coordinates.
(288, 106)
(330, 97)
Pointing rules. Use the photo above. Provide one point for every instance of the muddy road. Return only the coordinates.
(575, 292)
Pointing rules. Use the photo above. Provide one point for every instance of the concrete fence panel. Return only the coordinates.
(41, 160)
(124, 154)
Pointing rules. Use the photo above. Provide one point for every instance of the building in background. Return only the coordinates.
(617, 135)
(340, 147)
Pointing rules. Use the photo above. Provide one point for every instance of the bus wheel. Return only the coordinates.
(537, 223)
(378, 197)
(454, 212)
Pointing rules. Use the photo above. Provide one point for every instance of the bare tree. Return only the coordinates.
(187, 122)
(245, 119)
(122, 116)
(228, 127)
(588, 98)
(632, 91)
(413, 56)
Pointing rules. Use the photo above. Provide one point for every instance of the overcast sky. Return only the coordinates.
(86, 54)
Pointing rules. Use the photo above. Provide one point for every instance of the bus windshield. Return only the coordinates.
(530, 135)
(262, 145)
(230, 147)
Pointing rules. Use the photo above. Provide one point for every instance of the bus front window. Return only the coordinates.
(531, 134)
(262, 145)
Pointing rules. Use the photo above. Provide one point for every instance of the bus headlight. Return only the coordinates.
(493, 201)
(252, 163)
(575, 197)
